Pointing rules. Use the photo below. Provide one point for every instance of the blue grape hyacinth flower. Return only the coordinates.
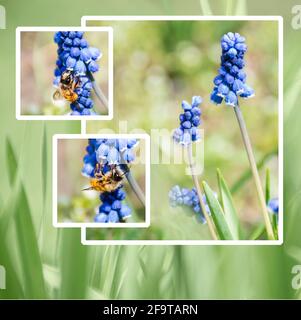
(189, 198)
(108, 153)
(75, 54)
(273, 206)
(190, 120)
(113, 210)
(231, 80)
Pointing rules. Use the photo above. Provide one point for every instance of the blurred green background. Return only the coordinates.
(43, 262)
(38, 58)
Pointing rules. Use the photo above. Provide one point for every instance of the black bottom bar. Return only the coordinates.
(131, 309)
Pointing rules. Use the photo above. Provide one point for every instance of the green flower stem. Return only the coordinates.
(99, 94)
(199, 192)
(249, 150)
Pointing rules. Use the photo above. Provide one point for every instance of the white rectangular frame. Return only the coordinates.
(278, 19)
(21, 116)
(140, 136)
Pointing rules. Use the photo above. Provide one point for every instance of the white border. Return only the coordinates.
(84, 241)
(20, 116)
(141, 136)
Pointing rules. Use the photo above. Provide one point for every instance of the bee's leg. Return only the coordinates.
(76, 83)
(122, 171)
(98, 172)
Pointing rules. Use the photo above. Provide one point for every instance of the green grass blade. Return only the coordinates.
(74, 264)
(205, 6)
(275, 225)
(44, 163)
(217, 214)
(12, 163)
(241, 8)
(30, 259)
(229, 7)
(267, 186)
(228, 206)
(258, 232)
(13, 284)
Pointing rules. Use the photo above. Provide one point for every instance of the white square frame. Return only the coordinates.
(21, 116)
(278, 242)
(140, 136)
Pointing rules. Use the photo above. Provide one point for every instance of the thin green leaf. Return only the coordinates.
(205, 6)
(9, 209)
(74, 263)
(275, 225)
(28, 250)
(258, 232)
(217, 214)
(267, 186)
(241, 8)
(12, 163)
(229, 7)
(13, 284)
(228, 206)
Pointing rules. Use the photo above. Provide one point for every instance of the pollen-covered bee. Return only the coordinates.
(107, 181)
(68, 83)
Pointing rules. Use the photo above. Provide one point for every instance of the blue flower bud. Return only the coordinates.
(125, 212)
(247, 92)
(223, 90)
(186, 124)
(72, 34)
(74, 52)
(231, 99)
(83, 43)
(238, 86)
(185, 105)
(68, 42)
(196, 121)
(93, 66)
(75, 113)
(95, 53)
(76, 42)
(188, 115)
(218, 80)
(116, 205)
(113, 217)
(113, 156)
(102, 152)
(70, 63)
(88, 170)
(86, 112)
(101, 218)
(128, 156)
(79, 34)
(85, 55)
(105, 208)
(80, 67)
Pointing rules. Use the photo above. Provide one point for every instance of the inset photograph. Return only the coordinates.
(101, 181)
(210, 96)
(64, 73)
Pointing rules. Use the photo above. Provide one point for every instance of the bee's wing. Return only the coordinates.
(57, 95)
